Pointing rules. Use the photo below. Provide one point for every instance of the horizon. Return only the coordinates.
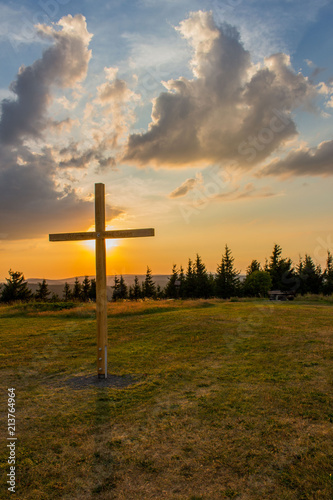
(211, 123)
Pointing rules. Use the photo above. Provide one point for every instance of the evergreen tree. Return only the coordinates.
(85, 289)
(328, 275)
(212, 284)
(55, 297)
(202, 287)
(116, 288)
(123, 293)
(148, 288)
(281, 271)
(131, 292)
(226, 279)
(254, 266)
(136, 289)
(16, 288)
(67, 293)
(189, 284)
(92, 290)
(77, 290)
(182, 283)
(159, 293)
(310, 276)
(42, 291)
(171, 289)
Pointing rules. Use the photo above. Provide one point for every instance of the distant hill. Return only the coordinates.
(57, 286)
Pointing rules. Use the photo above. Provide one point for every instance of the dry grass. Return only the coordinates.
(232, 400)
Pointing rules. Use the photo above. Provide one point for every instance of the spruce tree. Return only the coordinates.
(77, 290)
(328, 275)
(189, 288)
(159, 292)
(202, 287)
(130, 292)
(226, 279)
(16, 288)
(136, 289)
(42, 292)
(116, 288)
(85, 289)
(92, 290)
(310, 276)
(171, 290)
(67, 293)
(254, 266)
(55, 297)
(182, 283)
(281, 271)
(123, 293)
(149, 288)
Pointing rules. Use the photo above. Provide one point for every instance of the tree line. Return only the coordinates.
(278, 273)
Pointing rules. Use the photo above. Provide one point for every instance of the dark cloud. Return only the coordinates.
(230, 110)
(309, 161)
(63, 64)
(32, 203)
(72, 157)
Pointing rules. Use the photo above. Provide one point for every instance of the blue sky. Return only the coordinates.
(196, 126)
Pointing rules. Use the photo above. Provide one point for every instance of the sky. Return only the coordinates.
(211, 121)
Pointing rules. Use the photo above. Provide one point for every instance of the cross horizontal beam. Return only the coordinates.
(102, 235)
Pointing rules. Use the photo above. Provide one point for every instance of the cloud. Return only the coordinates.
(63, 64)
(105, 126)
(33, 199)
(32, 204)
(186, 187)
(227, 109)
(114, 90)
(72, 157)
(317, 161)
(249, 191)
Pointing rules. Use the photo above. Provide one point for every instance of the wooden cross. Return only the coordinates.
(101, 296)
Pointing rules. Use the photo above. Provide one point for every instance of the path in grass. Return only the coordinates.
(220, 400)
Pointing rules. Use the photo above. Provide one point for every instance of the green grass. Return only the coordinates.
(229, 400)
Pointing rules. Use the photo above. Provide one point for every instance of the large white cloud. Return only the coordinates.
(230, 110)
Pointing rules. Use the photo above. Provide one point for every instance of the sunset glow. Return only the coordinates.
(210, 122)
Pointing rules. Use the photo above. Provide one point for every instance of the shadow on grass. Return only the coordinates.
(92, 381)
(103, 460)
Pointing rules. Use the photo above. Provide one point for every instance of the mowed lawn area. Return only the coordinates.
(210, 400)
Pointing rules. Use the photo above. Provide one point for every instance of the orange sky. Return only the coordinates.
(211, 135)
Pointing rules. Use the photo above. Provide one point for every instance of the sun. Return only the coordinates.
(109, 243)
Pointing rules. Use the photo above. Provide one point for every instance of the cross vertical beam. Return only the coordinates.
(101, 295)
(100, 236)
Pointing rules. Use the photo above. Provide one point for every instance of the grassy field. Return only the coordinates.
(215, 400)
